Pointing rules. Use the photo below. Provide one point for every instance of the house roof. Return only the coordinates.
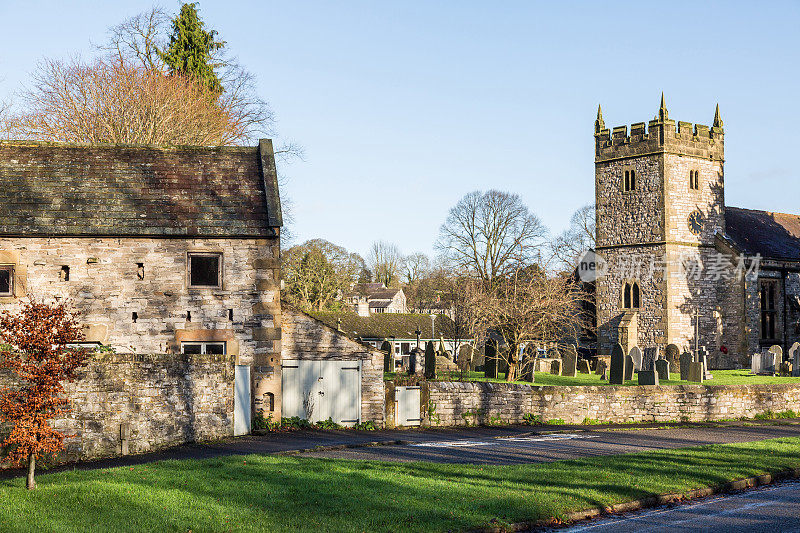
(388, 325)
(773, 235)
(126, 190)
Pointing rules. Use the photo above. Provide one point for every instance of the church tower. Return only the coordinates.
(659, 195)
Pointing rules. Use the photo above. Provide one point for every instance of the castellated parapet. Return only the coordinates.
(660, 135)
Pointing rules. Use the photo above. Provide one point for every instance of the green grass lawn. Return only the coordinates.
(268, 493)
(721, 377)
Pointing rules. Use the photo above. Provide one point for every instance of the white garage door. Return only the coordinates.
(318, 390)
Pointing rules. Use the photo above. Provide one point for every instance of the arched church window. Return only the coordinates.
(694, 179)
(629, 181)
(631, 297)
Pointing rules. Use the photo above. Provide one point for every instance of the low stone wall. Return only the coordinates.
(469, 403)
(126, 403)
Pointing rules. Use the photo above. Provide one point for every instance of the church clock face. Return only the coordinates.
(696, 222)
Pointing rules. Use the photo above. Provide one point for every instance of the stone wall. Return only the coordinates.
(456, 403)
(154, 400)
(306, 338)
(111, 278)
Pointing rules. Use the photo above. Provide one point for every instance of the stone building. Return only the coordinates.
(162, 250)
(682, 267)
(376, 298)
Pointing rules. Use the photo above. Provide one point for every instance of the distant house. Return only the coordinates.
(374, 298)
(399, 329)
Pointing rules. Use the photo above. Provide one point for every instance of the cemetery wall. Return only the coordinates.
(469, 403)
(128, 403)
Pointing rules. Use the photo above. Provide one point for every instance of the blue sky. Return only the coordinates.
(404, 107)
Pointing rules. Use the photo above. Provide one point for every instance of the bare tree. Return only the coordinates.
(489, 234)
(141, 40)
(116, 102)
(579, 237)
(415, 266)
(385, 261)
(527, 305)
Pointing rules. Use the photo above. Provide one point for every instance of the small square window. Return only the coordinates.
(6, 281)
(205, 270)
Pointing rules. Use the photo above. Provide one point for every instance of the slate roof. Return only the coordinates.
(773, 235)
(387, 325)
(125, 190)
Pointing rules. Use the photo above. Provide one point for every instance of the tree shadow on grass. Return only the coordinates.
(259, 493)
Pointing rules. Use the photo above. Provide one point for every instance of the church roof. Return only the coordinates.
(773, 235)
(57, 189)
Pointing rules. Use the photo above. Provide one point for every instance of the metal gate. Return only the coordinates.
(241, 400)
(407, 401)
(318, 390)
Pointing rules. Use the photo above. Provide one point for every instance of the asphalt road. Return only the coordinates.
(534, 446)
(769, 509)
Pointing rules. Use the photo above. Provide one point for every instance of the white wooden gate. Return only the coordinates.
(241, 400)
(406, 410)
(318, 390)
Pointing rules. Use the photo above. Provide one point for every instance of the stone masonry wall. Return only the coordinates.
(307, 338)
(104, 286)
(456, 403)
(158, 400)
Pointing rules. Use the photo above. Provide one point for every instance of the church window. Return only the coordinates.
(629, 183)
(694, 180)
(768, 310)
(631, 296)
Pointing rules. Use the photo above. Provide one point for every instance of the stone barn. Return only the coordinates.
(170, 250)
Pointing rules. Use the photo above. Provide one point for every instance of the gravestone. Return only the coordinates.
(757, 363)
(785, 369)
(583, 366)
(776, 361)
(662, 369)
(555, 367)
(702, 356)
(490, 360)
(430, 361)
(629, 366)
(794, 357)
(768, 361)
(686, 361)
(602, 369)
(673, 354)
(696, 372)
(415, 360)
(648, 377)
(465, 358)
(649, 357)
(570, 362)
(464, 354)
(617, 371)
(636, 357)
(388, 356)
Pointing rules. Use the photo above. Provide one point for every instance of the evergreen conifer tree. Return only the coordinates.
(191, 49)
